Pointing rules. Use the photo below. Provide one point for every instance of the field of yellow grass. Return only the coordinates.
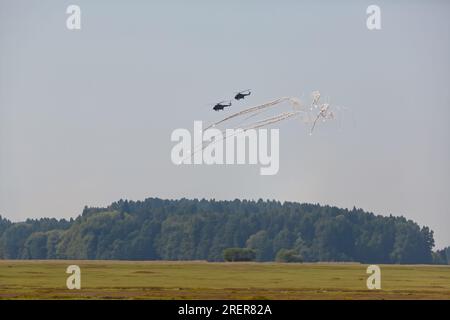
(204, 280)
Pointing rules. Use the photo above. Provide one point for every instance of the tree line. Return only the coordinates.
(157, 229)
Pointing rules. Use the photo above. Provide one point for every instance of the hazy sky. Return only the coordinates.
(86, 116)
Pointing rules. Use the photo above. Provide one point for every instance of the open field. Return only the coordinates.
(203, 280)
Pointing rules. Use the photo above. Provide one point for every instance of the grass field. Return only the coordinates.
(203, 280)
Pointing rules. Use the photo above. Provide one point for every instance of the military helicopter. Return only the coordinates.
(242, 94)
(221, 105)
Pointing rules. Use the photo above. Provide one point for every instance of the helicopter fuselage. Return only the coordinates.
(240, 96)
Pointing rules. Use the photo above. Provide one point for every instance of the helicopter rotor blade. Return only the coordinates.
(243, 91)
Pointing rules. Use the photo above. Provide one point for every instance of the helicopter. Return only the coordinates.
(221, 105)
(242, 94)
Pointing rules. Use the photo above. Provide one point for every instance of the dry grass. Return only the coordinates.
(203, 280)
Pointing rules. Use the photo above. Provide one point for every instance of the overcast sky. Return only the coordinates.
(86, 116)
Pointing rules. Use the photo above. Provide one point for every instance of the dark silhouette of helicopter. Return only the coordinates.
(221, 105)
(242, 94)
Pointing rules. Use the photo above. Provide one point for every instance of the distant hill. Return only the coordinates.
(202, 229)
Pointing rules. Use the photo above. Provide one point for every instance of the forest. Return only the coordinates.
(157, 229)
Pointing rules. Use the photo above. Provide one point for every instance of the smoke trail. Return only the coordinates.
(254, 125)
(273, 120)
(252, 109)
(295, 102)
(323, 113)
(257, 108)
(254, 115)
(299, 110)
(314, 124)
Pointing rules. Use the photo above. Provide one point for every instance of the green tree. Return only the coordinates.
(35, 246)
(239, 254)
(202, 229)
(261, 244)
(288, 255)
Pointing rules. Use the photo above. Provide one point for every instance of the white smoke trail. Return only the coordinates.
(324, 113)
(262, 107)
(255, 125)
(281, 115)
(272, 120)
(295, 102)
(252, 109)
(299, 110)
